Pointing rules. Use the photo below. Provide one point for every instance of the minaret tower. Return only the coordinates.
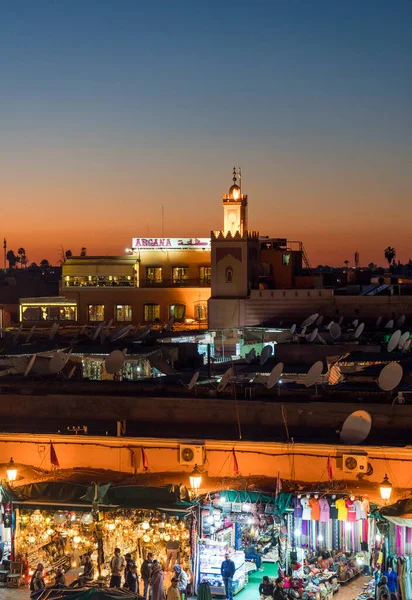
(235, 208)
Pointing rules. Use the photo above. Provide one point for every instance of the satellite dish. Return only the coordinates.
(340, 320)
(394, 340)
(355, 323)
(266, 354)
(170, 324)
(314, 373)
(359, 331)
(139, 335)
(378, 321)
(407, 345)
(121, 333)
(57, 362)
(356, 428)
(303, 332)
(97, 331)
(225, 379)
(53, 330)
(70, 375)
(312, 336)
(401, 320)
(319, 321)
(310, 320)
(114, 362)
(275, 375)
(109, 324)
(30, 365)
(31, 333)
(83, 329)
(329, 325)
(404, 338)
(251, 355)
(389, 324)
(335, 331)
(320, 339)
(293, 329)
(390, 376)
(283, 336)
(193, 381)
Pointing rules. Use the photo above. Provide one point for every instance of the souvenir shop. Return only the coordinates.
(60, 537)
(328, 542)
(251, 527)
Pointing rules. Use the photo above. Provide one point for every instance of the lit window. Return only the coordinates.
(123, 312)
(229, 275)
(177, 311)
(205, 274)
(285, 259)
(96, 312)
(180, 274)
(31, 313)
(154, 274)
(151, 312)
(201, 312)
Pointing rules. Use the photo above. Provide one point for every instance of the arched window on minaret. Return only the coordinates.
(229, 275)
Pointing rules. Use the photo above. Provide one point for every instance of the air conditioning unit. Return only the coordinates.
(354, 463)
(191, 454)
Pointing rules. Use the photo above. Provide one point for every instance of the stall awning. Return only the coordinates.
(281, 502)
(399, 513)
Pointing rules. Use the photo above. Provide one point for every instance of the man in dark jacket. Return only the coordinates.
(279, 594)
(227, 570)
(146, 571)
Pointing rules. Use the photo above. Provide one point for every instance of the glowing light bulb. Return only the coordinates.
(298, 533)
(320, 538)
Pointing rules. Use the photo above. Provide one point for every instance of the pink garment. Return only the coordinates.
(350, 505)
(157, 585)
(324, 510)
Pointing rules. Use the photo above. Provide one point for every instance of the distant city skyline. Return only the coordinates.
(109, 111)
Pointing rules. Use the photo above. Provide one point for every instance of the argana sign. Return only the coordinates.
(170, 243)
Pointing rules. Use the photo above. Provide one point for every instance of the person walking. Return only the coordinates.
(37, 581)
(146, 571)
(227, 570)
(279, 593)
(116, 567)
(130, 565)
(182, 580)
(157, 582)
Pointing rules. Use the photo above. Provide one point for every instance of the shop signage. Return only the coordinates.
(236, 507)
(170, 243)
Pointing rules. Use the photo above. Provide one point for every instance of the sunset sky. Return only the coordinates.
(109, 109)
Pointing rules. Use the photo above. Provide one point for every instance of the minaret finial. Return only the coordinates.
(234, 175)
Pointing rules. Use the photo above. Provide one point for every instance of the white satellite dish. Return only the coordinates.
(389, 324)
(97, 331)
(303, 332)
(293, 329)
(193, 381)
(31, 333)
(57, 362)
(30, 365)
(378, 321)
(314, 373)
(390, 376)
(394, 340)
(340, 320)
(109, 324)
(319, 321)
(329, 325)
(320, 339)
(225, 380)
(356, 428)
(139, 335)
(83, 329)
(310, 320)
(170, 324)
(251, 355)
(266, 354)
(283, 336)
(312, 336)
(114, 362)
(123, 332)
(401, 320)
(359, 331)
(355, 323)
(53, 330)
(404, 338)
(407, 345)
(275, 375)
(335, 331)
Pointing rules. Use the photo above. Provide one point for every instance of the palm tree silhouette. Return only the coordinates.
(390, 254)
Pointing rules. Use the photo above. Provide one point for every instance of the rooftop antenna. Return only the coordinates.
(5, 253)
(240, 180)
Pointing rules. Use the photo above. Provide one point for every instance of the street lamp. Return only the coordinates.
(11, 471)
(385, 488)
(195, 479)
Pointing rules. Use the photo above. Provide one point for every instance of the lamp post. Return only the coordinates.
(11, 471)
(385, 489)
(195, 479)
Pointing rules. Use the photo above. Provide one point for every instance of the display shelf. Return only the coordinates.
(210, 561)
